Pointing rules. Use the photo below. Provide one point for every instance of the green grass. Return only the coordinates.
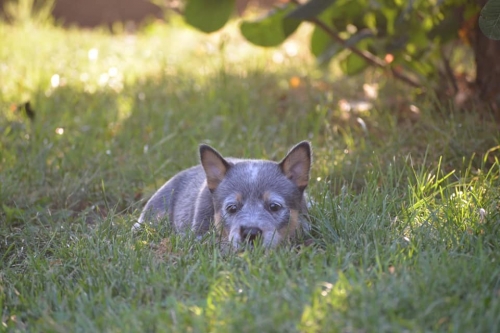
(400, 241)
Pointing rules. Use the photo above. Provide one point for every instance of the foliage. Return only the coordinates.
(406, 217)
(277, 21)
(406, 37)
(208, 15)
(489, 21)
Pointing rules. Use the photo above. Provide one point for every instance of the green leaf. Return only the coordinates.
(320, 40)
(208, 15)
(423, 68)
(353, 64)
(324, 48)
(390, 15)
(272, 29)
(310, 9)
(489, 19)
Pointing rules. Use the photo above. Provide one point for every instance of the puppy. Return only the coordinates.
(248, 200)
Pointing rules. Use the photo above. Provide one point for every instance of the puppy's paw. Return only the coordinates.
(136, 227)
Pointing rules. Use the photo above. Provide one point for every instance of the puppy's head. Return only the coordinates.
(257, 201)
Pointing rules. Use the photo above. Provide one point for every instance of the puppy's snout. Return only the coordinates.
(250, 234)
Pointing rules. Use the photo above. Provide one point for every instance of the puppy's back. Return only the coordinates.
(176, 199)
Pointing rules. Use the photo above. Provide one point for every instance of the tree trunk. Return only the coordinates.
(487, 55)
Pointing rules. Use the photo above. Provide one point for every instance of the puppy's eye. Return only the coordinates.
(231, 209)
(274, 206)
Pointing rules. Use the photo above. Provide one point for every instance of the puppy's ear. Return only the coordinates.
(215, 166)
(297, 164)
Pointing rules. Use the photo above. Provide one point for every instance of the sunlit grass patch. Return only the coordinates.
(450, 209)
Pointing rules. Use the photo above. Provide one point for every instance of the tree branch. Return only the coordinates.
(366, 55)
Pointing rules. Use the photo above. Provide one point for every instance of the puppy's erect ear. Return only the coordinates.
(297, 164)
(214, 164)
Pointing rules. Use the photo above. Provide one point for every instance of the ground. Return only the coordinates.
(404, 193)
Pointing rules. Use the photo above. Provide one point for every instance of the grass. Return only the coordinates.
(406, 216)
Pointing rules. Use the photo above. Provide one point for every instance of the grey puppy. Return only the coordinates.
(246, 199)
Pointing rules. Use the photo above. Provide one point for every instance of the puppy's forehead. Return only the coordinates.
(254, 177)
(252, 170)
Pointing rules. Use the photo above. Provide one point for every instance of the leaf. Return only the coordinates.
(320, 41)
(416, 66)
(354, 64)
(390, 14)
(324, 48)
(310, 9)
(272, 29)
(489, 19)
(208, 15)
(30, 112)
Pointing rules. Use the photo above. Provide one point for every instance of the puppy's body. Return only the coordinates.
(247, 199)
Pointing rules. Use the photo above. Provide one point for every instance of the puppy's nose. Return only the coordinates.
(249, 234)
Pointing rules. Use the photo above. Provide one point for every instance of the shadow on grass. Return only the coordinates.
(88, 153)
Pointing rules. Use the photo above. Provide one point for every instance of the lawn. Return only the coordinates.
(405, 205)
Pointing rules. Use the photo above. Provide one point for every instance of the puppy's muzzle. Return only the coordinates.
(250, 234)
